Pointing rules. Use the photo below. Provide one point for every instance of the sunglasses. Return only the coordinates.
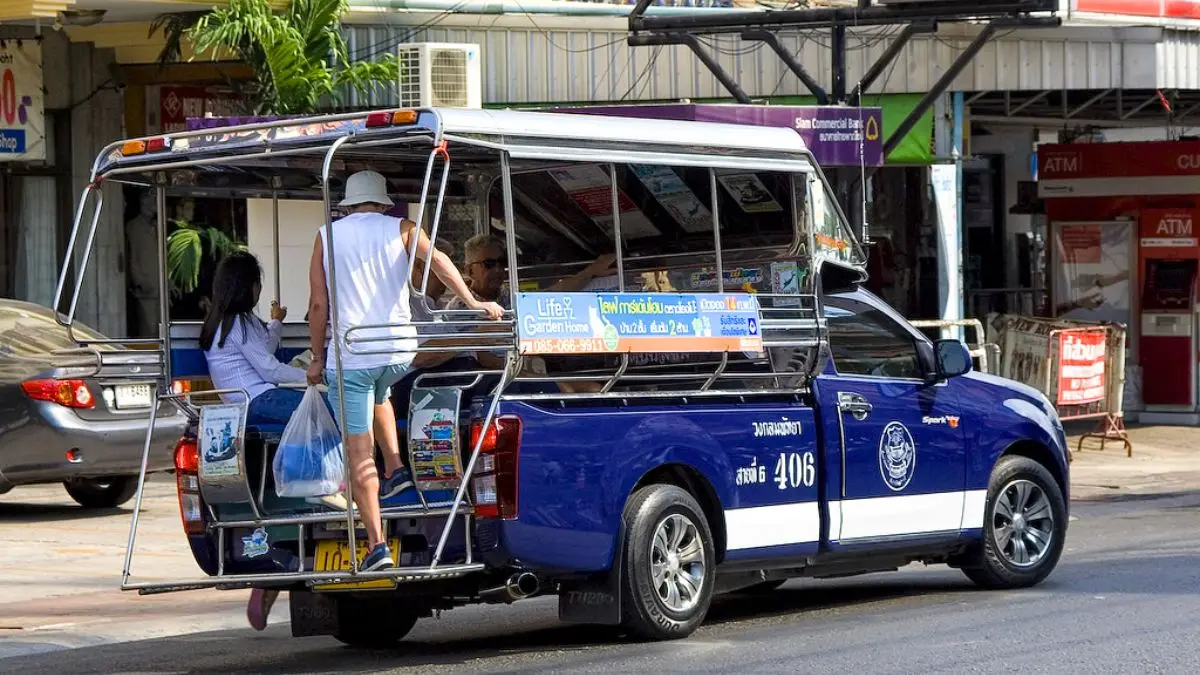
(490, 263)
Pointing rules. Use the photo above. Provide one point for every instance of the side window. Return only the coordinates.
(865, 341)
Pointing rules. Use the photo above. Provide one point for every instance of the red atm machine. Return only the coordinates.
(1168, 257)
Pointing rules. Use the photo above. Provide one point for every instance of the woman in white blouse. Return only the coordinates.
(240, 348)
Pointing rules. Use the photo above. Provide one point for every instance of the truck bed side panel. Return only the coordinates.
(579, 465)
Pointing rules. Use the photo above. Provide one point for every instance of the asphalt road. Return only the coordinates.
(1126, 598)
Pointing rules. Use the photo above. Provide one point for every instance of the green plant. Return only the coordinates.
(185, 253)
(298, 55)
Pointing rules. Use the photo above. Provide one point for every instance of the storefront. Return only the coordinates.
(1123, 249)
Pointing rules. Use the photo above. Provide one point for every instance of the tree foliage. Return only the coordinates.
(185, 253)
(298, 55)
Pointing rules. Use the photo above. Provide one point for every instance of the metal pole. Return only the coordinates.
(331, 283)
(164, 295)
(838, 60)
(275, 186)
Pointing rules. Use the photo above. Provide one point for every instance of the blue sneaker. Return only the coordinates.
(379, 558)
(398, 482)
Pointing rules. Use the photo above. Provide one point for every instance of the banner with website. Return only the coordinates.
(22, 102)
(603, 323)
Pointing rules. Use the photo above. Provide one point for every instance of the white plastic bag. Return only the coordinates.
(308, 462)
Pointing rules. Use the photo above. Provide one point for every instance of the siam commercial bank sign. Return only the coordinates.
(836, 135)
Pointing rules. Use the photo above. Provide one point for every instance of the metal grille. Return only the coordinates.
(409, 87)
(448, 78)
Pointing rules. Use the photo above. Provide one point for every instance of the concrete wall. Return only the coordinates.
(78, 80)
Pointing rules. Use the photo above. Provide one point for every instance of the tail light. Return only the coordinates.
(69, 393)
(494, 481)
(187, 481)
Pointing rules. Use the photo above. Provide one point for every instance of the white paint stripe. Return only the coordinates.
(782, 524)
(835, 521)
(903, 514)
(974, 506)
(777, 525)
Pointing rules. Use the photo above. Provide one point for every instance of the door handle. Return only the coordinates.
(855, 404)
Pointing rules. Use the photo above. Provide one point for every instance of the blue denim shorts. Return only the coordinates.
(365, 389)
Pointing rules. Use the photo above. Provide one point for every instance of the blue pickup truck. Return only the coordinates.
(729, 409)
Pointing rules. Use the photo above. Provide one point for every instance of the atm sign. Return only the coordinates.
(1170, 229)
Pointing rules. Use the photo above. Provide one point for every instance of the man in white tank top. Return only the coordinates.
(370, 252)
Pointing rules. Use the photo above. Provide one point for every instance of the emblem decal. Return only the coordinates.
(897, 456)
(255, 546)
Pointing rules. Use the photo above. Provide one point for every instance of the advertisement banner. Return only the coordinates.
(1092, 271)
(590, 323)
(675, 196)
(590, 187)
(1081, 366)
(22, 102)
(1024, 353)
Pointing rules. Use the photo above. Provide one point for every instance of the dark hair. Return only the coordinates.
(232, 297)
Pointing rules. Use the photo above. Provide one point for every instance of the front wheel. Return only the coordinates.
(372, 625)
(669, 564)
(101, 493)
(1024, 527)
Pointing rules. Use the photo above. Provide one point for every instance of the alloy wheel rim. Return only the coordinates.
(1023, 523)
(677, 563)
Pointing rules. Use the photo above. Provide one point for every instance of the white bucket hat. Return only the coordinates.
(366, 187)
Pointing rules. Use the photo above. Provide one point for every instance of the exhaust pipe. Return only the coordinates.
(518, 587)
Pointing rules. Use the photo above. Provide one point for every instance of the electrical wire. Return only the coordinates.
(645, 72)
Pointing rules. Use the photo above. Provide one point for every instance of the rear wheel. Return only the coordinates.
(373, 625)
(669, 564)
(1024, 527)
(101, 493)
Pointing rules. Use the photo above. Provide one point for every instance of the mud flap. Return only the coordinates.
(596, 600)
(313, 613)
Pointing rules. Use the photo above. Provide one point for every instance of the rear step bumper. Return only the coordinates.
(236, 581)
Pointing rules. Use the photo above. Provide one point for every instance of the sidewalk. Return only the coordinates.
(1165, 460)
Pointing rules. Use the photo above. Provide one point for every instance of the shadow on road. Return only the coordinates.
(46, 513)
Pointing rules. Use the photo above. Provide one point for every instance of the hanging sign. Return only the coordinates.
(599, 323)
(22, 102)
(1081, 366)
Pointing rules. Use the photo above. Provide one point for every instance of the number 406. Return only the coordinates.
(794, 470)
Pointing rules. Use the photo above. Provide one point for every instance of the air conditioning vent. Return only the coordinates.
(434, 75)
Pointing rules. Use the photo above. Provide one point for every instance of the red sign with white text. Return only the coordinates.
(1115, 160)
(1163, 9)
(1080, 367)
(1167, 228)
(176, 105)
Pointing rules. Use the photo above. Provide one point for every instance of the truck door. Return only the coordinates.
(901, 453)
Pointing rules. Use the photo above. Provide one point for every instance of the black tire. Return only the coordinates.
(644, 613)
(991, 566)
(373, 625)
(101, 493)
(764, 587)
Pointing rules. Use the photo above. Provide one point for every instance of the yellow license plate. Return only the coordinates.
(334, 556)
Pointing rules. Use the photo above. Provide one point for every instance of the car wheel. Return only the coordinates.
(764, 587)
(669, 564)
(102, 493)
(373, 625)
(1024, 527)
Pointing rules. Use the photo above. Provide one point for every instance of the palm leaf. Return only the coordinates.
(185, 252)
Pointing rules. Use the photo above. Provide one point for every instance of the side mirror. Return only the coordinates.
(952, 358)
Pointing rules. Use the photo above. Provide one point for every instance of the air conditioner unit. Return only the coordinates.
(437, 75)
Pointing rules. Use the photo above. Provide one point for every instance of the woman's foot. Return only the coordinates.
(379, 558)
(259, 608)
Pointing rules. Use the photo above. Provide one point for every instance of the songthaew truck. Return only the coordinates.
(726, 410)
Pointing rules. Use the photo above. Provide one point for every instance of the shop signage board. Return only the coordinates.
(836, 135)
(22, 102)
(1182, 9)
(1081, 366)
(172, 106)
(1105, 169)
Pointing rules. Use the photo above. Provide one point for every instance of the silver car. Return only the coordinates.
(68, 425)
